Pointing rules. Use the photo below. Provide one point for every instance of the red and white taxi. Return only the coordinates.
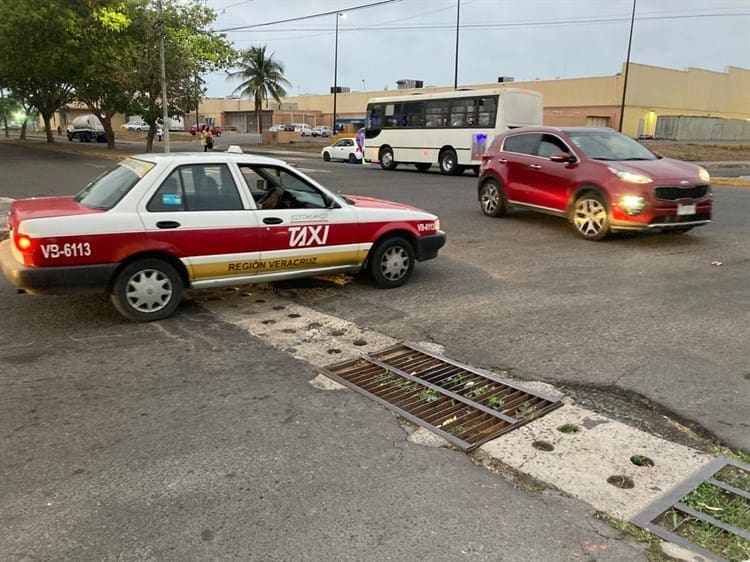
(157, 224)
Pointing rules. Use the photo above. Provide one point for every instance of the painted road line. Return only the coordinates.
(579, 464)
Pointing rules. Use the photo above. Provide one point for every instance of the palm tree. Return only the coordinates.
(262, 77)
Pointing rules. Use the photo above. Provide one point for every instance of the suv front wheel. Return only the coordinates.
(590, 216)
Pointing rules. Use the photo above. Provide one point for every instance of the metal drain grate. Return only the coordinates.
(673, 518)
(463, 404)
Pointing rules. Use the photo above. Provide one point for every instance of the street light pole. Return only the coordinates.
(627, 67)
(458, 19)
(336, 68)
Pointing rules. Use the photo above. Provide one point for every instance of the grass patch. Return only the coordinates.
(569, 428)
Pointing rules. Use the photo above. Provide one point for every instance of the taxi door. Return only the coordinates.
(299, 229)
(199, 215)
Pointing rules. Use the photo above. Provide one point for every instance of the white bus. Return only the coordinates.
(450, 129)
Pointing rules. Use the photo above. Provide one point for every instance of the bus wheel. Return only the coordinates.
(422, 166)
(449, 162)
(386, 158)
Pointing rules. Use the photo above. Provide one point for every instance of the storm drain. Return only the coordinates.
(709, 513)
(464, 405)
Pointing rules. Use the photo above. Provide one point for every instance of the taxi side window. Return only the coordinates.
(169, 196)
(200, 187)
(292, 191)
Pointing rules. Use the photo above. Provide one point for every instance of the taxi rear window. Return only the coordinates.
(107, 190)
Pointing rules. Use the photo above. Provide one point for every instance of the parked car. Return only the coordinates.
(599, 179)
(322, 131)
(149, 229)
(303, 129)
(343, 149)
(197, 128)
(135, 125)
(275, 128)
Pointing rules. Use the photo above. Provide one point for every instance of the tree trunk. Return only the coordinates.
(107, 123)
(258, 116)
(47, 117)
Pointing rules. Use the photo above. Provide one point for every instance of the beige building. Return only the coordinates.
(652, 92)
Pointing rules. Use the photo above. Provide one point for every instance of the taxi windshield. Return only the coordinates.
(107, 190)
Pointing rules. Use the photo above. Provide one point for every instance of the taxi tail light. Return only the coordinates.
(23, 242)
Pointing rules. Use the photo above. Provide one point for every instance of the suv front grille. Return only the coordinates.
(673, 193)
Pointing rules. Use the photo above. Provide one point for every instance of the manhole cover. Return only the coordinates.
(465, 405)
(709, 513)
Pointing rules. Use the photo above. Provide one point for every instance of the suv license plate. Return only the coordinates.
(685, 209)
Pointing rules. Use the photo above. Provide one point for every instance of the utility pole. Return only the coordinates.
(627, 67)
(458, 19)
(163, 70)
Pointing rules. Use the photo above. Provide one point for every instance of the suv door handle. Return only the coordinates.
(272, 220)
(535, 166)
(167, 224)
(502, 160)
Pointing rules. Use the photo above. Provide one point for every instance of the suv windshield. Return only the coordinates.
(106, 190)
(609, 145)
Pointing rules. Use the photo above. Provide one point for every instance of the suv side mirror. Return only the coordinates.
(562, 157)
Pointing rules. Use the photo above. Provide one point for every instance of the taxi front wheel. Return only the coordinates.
(392, 262)
(147, 290)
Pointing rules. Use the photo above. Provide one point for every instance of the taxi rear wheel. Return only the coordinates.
(147, 290)
(326, 157)
(392, 262)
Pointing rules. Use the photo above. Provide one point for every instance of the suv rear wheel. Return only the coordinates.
(492, 198)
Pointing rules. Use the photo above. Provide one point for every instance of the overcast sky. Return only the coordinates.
(525, 39)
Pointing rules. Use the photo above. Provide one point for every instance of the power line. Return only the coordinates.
(352, 9)
(495, 25)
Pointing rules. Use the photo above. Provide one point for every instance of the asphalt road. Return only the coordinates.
(187, 439)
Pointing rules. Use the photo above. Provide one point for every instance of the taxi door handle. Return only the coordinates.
(272, 220)
(535, 166)
(167, 224)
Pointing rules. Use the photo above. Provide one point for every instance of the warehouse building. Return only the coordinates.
(690, 104)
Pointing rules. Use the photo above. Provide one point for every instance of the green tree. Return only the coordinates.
(39, 53)
(262, 77)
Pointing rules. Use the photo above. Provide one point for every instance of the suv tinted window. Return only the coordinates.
(552, 145)
(525, 143)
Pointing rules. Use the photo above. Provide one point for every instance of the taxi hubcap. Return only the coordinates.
(149, 290)
(395, 263)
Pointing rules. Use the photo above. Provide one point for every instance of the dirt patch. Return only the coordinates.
(700, 152)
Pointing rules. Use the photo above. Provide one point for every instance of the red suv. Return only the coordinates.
(599, 179)
(215, 129)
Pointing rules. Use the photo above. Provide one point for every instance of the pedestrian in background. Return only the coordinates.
(204, 140)
(209, 140)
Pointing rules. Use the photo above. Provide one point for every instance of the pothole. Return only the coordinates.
(314, 325)
(642, 460)
(621, 481)
(333, 351)
(337, 333)
(294, 315)
(268, 322)
(360, 342)
(289, 331)
(279, 307)
(260, 301)
(543, 446)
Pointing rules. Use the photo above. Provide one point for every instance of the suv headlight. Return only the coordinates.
(630, 177)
